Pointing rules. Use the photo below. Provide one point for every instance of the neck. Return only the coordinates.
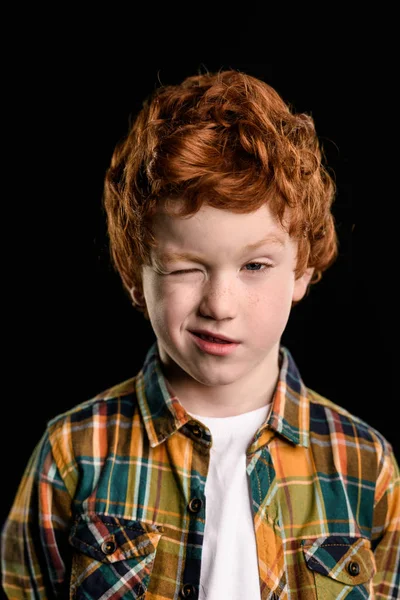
(255, 390)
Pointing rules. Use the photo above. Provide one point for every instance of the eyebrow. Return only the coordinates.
(170, 257)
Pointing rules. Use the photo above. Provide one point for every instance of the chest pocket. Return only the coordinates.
(113, 557)
(343, 566)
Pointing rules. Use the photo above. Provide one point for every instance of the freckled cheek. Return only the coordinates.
(270, 305)
(174, 302)
(172, 305)
(177, 294)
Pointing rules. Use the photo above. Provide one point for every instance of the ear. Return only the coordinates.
(301, 284)
(137, 296)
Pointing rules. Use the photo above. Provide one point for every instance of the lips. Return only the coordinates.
(213, 336)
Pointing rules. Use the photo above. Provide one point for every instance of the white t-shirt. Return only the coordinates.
(229, 559)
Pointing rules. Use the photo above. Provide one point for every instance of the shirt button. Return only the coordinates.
(195, 505)
(196, 430)
(353, 568)
(139, 590)
(109, 547)
(188, 591)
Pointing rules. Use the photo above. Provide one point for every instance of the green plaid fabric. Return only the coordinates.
(112, 502)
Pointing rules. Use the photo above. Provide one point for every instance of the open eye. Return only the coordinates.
(266, 265)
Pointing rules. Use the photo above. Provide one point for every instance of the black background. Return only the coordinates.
(69, 329)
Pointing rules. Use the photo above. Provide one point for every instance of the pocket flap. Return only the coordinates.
(111, 539)
(346, 559)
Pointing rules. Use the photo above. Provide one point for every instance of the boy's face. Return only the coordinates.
(223, 292)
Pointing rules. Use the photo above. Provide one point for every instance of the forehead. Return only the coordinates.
(210, 221)
(213, 234)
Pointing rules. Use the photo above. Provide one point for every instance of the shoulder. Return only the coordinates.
(329, 418)
(119, 399)
(79, 440)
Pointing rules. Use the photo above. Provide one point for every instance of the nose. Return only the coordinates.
(219, 298)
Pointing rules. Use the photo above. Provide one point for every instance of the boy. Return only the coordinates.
(214, 472)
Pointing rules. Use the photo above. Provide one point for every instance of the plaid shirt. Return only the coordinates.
(112, 502)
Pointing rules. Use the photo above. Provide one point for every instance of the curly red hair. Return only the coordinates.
(229, 140)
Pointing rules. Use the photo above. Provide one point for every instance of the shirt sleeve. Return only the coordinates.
(34, 542)
(386, 530)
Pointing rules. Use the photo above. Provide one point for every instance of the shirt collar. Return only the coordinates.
(163, 414)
